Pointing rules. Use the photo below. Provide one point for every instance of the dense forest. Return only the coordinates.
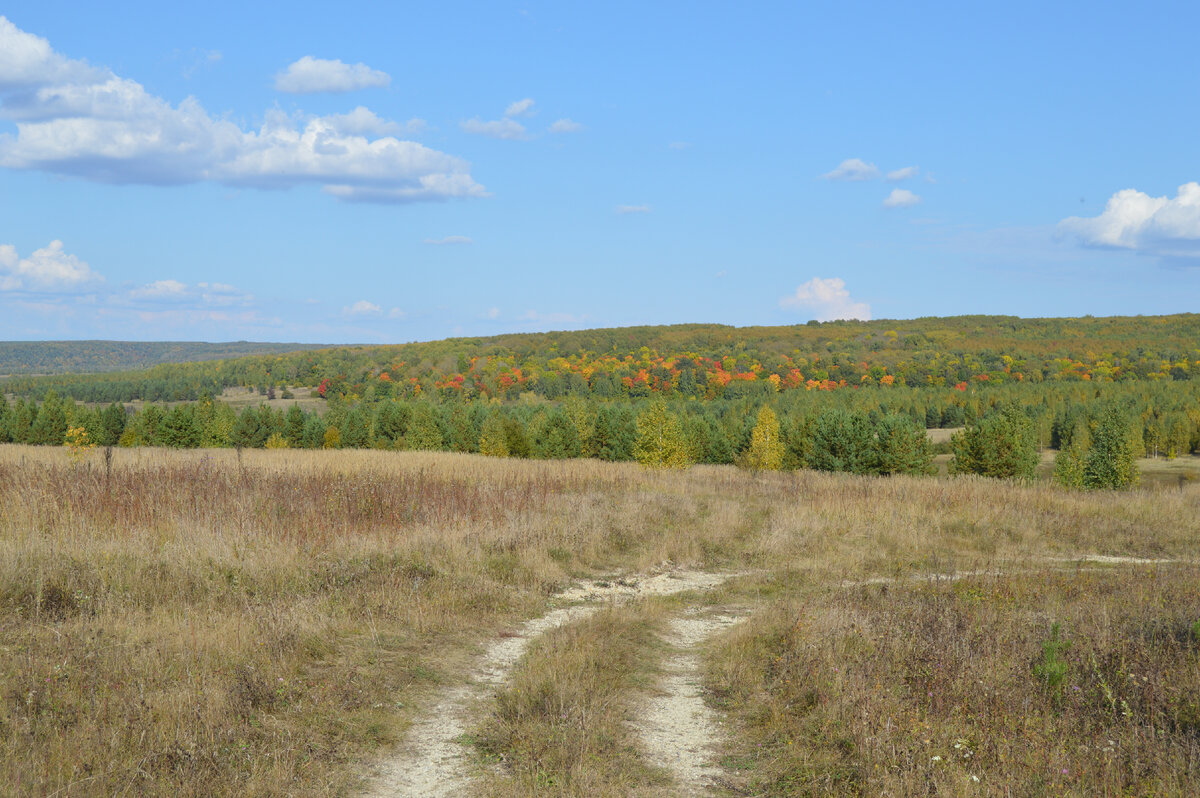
(81, 357)
(842, 396)
(705, 361)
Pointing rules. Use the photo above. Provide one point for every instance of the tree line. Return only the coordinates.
(1002, 441)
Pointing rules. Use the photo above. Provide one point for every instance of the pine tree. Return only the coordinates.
(293, 426)
(463, 435)
(766, 451)
(50, 427)
(423, 433)
(901, 446)
(5, 416)
(314, 432)
(391, 422)
(516, 438)
(179, 429)
(1110, 462)
(1002, 444)
(112, 424)
(660, 441)
(356, 428)
(20, 424)
(249, 431)
(842, 441)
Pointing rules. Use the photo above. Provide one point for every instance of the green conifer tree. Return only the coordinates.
(1001, 444)
(1110, 462)
(423, 433)
(293, 426)
(50, 426)
(901, 446)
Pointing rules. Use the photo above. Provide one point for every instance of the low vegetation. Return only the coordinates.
(1075, 682)
(214, 622)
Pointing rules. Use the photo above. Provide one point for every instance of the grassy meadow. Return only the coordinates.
(204, 622)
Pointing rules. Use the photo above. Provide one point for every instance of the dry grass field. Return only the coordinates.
(194, 624)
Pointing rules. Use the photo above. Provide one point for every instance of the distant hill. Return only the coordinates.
(701, 361)
(88, 357)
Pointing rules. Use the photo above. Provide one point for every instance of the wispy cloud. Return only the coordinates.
(520, 108)
(540, 318)
(449, 240)
(625, 209)
(907, 172)
(506, 129)
(853, 169)
(828, 299)
(315, 75)
(565, 126)
(199, 295)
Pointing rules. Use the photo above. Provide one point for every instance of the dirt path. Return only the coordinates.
(679, 731)
(434, 763)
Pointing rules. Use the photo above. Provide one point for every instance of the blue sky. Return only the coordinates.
(406, 172)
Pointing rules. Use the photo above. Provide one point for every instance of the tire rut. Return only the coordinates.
(679, 732)
(434, 762)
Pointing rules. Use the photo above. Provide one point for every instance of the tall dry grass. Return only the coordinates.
(1076, 682)
(204, 623)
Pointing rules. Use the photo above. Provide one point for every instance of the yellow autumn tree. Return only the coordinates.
(493, 440)
(660, 439)
(78, 444)
(766, 450)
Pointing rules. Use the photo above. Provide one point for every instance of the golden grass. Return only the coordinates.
(561, 727)
(195, 623)
(942, 688)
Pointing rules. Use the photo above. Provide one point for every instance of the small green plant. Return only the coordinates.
(1052, 668)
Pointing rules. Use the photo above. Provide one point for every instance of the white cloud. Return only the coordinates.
(828, 299)
(853, 169)
(1150, 225)
(679, 145)
(901, 198)
(362, 308)
(47, 269)
(310, 75)
(75, 120)
(396, 313)
(903, 174)
(520, 108)
(566, 126)
(508, 129)
(364, 121)
(493, 313)
(27, 61)
(449, 240)
(624, 209)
